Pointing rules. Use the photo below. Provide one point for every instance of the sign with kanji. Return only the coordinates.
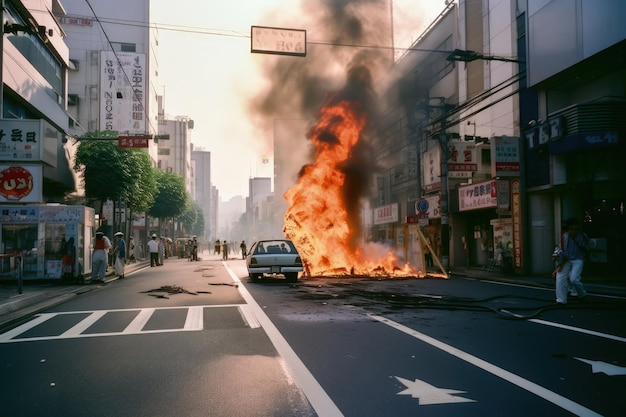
(134, 141)
(280, 41)
(21, 139)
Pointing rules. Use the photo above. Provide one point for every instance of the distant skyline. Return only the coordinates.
(207, 72)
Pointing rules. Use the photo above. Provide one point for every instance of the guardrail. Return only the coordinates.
(15, 267)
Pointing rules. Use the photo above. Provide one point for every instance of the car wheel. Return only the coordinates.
(255, 277)
(292, 276)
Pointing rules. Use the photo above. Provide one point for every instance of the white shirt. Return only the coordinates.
(153, 246)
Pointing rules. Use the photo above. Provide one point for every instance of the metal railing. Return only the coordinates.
(15, 267)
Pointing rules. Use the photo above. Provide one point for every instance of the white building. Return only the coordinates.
(35, 59)
(113, 77)
(174, 149)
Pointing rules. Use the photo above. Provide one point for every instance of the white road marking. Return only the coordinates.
(25, 327)
(429, 394)
(319, 399)
(605, 368)
(194, 321)
(139, 321)
(83, 325)
(249, 317)
(525, 384)
(579, 330)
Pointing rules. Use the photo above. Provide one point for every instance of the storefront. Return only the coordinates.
(54, 239)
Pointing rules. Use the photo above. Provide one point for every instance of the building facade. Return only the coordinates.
(202, 185)
(571, 120)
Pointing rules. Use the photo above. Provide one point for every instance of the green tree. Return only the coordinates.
(109, 172)
(193, 219)
(170, 200)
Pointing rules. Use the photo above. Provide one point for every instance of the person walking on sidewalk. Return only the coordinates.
(100, 256)
(153, 248)
(575, 246)
(120, 255)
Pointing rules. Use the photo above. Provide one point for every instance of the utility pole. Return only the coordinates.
(445, 229)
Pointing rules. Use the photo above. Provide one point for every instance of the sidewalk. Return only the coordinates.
(39, 295)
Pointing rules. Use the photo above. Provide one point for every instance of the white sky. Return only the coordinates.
(210, 77)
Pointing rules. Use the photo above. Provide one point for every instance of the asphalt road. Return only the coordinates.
(199, 339)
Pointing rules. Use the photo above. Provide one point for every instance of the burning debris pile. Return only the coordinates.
(324, 214)
(324, 211)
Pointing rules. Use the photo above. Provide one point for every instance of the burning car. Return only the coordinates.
(274, 257)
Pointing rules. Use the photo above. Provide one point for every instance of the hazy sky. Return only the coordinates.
(207, 73)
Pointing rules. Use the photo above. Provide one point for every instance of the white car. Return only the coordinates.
(275, 256)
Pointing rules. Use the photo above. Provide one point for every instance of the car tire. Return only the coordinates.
(292, 276)
(255, 277)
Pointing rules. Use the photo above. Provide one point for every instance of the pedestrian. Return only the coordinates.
(153, 248)
(194, 248)
(244, 249)
(68, 259)
(575, 246)
(218, 245)
(131, 250)
(100, 256)
(225, 250)
(161, 249)
(120, 255)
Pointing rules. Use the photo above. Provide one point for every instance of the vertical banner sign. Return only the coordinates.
(516, 215)
(123, 92)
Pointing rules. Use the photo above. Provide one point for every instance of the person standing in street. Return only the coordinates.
(120, 255)
(101, 246)
(575, 246)
(244, 249)
(153, 248)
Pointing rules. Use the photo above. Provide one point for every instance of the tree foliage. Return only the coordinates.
(109, 172)
(171, 198)
(193, 219)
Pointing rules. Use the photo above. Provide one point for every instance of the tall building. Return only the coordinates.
(259, 220)
(113, 68)
(35, 61)
(174, 149)
(202, 187)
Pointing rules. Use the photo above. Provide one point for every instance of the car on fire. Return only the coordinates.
(274, 257)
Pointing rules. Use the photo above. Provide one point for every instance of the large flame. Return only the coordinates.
(317, 220)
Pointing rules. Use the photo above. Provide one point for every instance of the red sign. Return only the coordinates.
(15, 183)
(134, 141)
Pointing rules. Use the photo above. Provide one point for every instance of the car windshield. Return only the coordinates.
(274, 246)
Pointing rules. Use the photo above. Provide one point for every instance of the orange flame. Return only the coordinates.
(317, 221)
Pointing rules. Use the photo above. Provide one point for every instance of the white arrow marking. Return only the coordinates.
(605, 368)
(429, 394)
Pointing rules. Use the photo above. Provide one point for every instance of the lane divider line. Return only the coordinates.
(514, 379)
(319, 399)
(579, 330)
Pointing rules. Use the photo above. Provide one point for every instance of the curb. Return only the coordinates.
(24, 305)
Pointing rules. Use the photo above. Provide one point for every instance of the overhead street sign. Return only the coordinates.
(278, 41)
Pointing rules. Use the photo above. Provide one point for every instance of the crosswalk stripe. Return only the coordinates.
(83, 325)
(139, 321)
(25, 327)
(195, 319)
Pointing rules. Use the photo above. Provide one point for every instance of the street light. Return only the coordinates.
(468, 56)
